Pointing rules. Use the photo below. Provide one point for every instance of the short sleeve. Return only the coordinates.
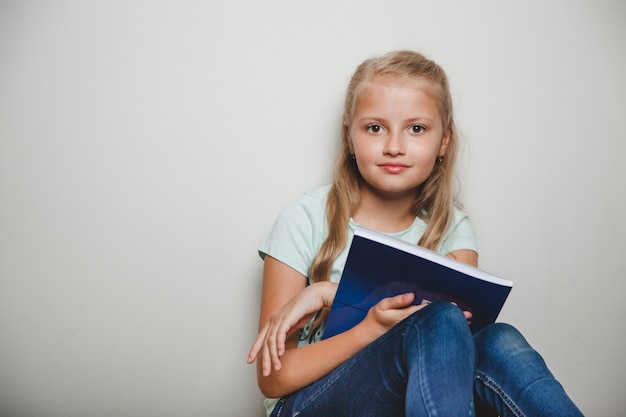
(298, 232)
(460, 235)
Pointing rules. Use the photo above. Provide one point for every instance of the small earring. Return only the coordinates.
(353, 156)
(440, 159)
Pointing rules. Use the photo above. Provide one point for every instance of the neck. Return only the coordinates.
(386, 213)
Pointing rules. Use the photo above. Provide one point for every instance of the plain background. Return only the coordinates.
(147, 147)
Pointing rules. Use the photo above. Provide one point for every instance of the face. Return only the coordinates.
(396, 135)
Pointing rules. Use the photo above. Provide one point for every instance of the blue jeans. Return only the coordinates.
(430, 365)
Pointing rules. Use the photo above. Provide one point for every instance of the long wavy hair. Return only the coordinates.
(434, 199)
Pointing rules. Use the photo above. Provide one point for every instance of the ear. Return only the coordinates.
(445, 140)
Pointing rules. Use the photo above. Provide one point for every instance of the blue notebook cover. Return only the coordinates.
(380, 266)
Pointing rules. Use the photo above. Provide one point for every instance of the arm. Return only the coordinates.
(282, 307)
(467, 256)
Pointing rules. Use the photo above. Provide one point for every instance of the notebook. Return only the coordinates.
(380, 266)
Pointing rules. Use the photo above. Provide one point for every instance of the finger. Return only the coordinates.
(270, 344)
(254, 350)
(468, 316)
(273, 347)
(256, 346)
(281, 336)
(266, 363)
(399, 301)
(407, 311)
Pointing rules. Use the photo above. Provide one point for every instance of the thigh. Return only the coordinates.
(371, 383)
(430, 354)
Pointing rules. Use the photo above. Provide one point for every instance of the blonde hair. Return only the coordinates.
(434, 200)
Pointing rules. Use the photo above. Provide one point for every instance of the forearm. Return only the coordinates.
(304, 365)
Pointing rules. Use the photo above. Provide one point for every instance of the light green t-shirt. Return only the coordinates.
(301, 228)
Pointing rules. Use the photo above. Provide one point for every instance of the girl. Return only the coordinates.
(394, 174)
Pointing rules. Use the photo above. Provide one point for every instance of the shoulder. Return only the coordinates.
(316, 197)
(309, 207)
(460, 234)
(458, 216)
(299, 230)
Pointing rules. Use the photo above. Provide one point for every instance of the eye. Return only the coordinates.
(418, 129)
(374, 128)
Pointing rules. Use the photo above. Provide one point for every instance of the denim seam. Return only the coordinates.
(425, 393)
(279, 406)
(497, 389)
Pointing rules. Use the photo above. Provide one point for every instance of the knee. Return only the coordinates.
(502, 352)
(441, 324)
(443, 313)
(503, 343)
(446, 310)
(500, 334)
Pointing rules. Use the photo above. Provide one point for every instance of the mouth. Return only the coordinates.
(394, 168)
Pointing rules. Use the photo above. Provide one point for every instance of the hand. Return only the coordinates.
(468, 314)
(270, 342)
(390, 311)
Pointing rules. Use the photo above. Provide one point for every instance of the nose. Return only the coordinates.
(394, 145)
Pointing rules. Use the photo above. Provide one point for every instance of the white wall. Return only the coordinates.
(146, 148)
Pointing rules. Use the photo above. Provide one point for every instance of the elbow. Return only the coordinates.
(268, 392)
(273, 385)
(268, 389)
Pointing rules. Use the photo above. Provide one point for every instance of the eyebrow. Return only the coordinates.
(409, 120)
